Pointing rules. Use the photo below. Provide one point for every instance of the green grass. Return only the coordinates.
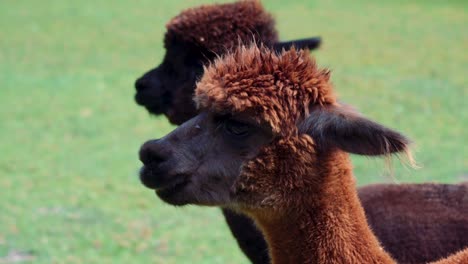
(70, 131)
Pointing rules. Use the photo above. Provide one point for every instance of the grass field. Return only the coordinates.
(70, 131)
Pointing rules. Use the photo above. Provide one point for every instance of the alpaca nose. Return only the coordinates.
(141, 84)
(149, 81)
(152, 152)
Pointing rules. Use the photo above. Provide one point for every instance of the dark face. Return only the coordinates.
(168, 88)
(199, 162)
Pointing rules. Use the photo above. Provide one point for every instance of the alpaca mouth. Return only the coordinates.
(168, 192)
(168, 188)
(156, 104)
(153, 178)
(152, 104)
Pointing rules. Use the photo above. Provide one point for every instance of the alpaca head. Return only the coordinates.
(266, 122)
(195, 37)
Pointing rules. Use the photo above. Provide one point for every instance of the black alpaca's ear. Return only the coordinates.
(344, 128)
(309, 43)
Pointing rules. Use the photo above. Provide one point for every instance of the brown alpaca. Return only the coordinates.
(308, 212)
(271, 141)
(401, 216)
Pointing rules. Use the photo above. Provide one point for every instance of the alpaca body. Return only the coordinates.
(423, 222)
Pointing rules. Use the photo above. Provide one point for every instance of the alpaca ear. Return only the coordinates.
(309, 43)
(344, 128)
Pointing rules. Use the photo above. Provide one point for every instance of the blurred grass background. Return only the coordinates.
(70, 131)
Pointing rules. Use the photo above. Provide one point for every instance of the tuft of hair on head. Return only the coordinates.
(217, 27)
(276, 87)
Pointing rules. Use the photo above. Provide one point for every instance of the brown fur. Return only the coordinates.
(275, 89)
(312, 213)
(228, 23)
(444, 206)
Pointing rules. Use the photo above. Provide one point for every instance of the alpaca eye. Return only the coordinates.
(236, 128)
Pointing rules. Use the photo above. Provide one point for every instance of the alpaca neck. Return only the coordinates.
(327, 224)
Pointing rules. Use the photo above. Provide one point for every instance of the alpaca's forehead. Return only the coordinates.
(276, 88)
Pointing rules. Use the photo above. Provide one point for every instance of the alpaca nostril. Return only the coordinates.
(149, 153)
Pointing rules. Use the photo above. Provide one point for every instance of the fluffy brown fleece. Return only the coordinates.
(276, 89)
(311, 211)
(220, 27)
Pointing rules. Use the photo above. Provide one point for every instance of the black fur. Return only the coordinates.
(346, 129)
(249, 238)
(307, 43)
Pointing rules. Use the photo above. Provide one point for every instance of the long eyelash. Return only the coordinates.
(209, 193)
(194, 194)
(219, 126)
(206, 190)
(220, 121)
